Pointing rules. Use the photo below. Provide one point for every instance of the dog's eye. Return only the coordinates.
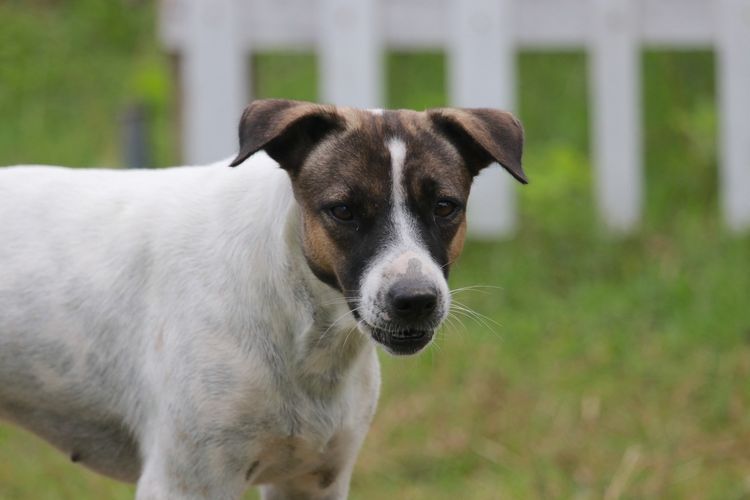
(342, 213)
(445, 208)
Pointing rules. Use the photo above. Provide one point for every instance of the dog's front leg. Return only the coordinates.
(177, 471)
(156, 484)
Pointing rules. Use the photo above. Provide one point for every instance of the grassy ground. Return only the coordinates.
(606, 367)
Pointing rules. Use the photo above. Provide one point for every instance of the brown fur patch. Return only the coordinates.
(320, 251)
(457, 243)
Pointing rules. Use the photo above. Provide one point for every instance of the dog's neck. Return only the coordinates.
(329, 344)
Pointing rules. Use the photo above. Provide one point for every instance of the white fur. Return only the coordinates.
(174, 307)
(403, 249)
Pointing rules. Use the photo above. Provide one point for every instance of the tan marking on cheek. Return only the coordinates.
(457, 243)
(319, 247)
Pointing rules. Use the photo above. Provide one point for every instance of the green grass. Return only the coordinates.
(615, 367)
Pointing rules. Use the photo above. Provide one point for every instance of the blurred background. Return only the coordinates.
(599, 363)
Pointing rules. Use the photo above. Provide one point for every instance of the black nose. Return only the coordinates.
(412, 301)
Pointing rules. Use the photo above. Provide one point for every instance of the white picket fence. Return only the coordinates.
(480, 37)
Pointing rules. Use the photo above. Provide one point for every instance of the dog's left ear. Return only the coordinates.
(286, 130)
(483, 136)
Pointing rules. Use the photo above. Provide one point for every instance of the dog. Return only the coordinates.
(201, 330)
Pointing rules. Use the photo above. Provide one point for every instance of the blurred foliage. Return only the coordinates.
(680, 143)
(285, 75)
(595, 367)
(415, 80)
(67, 70)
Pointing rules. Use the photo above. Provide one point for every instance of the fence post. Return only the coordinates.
(616, 111)
(134, 132)
(214, 80)
(734, 97)
(350, 53)
(482, 74)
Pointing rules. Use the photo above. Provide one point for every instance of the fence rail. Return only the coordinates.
(481, 38)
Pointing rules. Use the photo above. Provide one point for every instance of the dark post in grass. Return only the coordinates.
(134, 136)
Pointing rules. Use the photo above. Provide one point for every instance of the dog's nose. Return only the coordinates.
(412, 301)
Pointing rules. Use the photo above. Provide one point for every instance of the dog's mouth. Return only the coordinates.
(400, 342)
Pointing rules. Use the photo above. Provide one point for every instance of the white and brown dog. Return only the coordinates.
(201, 330)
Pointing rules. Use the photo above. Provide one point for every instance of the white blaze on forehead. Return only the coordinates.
(406, 234)
(405, 229)
(397, 148)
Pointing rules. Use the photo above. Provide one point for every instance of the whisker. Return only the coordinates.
(322, 335)
(475, 288)
(455, 322)
(346, 339)
(469, 309)
(436, 346)
(472, 315)
(341, 300)
(461, 309)
(449, 263)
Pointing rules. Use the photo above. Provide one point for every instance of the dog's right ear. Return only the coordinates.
(286, 130)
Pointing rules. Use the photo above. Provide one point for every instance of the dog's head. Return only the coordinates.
(383, 197)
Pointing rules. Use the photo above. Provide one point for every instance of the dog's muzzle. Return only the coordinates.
(412, 312)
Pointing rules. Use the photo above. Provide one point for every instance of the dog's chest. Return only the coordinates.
(297, 456)
(312, 438)
(307, 437)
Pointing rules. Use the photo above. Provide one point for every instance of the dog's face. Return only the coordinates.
(383, 197)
